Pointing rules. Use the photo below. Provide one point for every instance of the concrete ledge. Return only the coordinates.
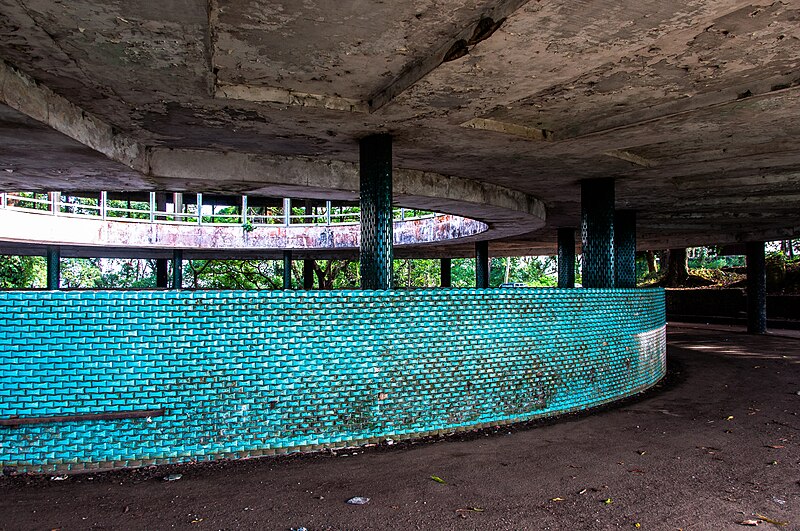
(245, 374)
(44, 229)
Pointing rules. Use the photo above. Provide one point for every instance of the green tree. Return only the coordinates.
(20, 272)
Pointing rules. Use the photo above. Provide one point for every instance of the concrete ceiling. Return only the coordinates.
(693, 106)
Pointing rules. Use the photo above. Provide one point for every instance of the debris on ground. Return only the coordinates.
(437, 479)
(470, 510)
(173, 477)
(58, 478)
(557, 499)
(358, 500)
(770, 520)
(608, 501)
(299, 529)
(749, 522)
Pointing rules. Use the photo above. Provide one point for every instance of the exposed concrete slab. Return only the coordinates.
(679, 101)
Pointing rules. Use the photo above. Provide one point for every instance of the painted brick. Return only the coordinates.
(248, 373)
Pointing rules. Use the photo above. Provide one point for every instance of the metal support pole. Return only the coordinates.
(3, 200)
(177, 269)
(566, 257)
(327, 212)
(287, 269)
(377, 250)
(244, 210)
(53, 268)
(625, 248)
(756, 288)
(482, 264)
(446, 272)
(103, 204)
(199, 209)
(597, 232)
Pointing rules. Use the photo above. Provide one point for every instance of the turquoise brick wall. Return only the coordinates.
(254, 373)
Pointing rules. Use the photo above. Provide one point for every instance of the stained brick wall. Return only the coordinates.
(254, 373)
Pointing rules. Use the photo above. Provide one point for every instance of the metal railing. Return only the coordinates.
(194, 213)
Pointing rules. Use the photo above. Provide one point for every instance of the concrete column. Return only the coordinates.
(625, 248)
(162, 264)
(482, 264)
(287, 269)
(756, 288)
(162, 273)
(566, 257)
(597, 232)
(308, 264)
(446, 273)
(377, 251)
(308, 274)
(177, 269)
(53, 268)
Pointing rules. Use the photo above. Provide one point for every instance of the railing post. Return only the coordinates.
(55, 199)
(177, 206)
(287, 211)
(402, 214)
(327, 212)
(152, 207)
(103, 204)
(244, 210)
(199, 208)
(3, 200)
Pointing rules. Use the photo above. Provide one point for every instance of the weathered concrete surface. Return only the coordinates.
(693, 106)
(17, 227)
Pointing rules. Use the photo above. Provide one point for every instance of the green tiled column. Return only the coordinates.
(625, 248)
(53, 268)
(376, 212)
(597, 232)
(482, 264)
(566, 257)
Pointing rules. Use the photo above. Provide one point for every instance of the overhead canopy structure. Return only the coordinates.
(692, 107)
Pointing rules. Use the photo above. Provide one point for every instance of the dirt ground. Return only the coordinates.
(717, 444)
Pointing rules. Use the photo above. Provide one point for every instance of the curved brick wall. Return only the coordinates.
(244, 374)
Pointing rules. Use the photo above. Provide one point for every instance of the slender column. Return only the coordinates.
(308, 273)
(597, 232)
(566, 257)
(162, 273)
(308, 263)
(376, 212)
(625, 248)
(287, 269)
(177, 269)
(482, 264)
(53, 268)
(756, 288)
(162, 264)
(447, 273)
